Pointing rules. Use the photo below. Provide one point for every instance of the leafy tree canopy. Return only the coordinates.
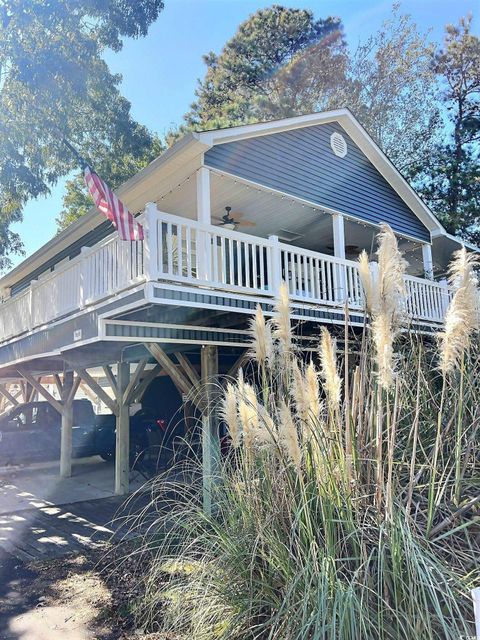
(392, 89)
(449, 178)
(54, 84)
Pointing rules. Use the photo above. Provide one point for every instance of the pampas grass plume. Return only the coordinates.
(289, 436)
(281, 320)
(328, 360)
(461, 319)
(229, 414)
(366, 280)
(261, 333)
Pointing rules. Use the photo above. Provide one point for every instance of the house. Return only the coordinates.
(228, 215)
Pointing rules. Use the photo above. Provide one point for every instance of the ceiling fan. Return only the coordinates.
(232, 221)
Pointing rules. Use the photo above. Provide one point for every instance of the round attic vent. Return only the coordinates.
(338, 144)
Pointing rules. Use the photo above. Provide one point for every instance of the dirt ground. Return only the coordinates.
(72, 598)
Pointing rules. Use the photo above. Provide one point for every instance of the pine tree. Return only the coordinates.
(450, 178)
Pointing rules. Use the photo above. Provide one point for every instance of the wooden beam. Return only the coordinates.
(232, 372)
(188, 368)
(6, 394)
(41, 390)
(31, 395)
(59, 383)
(173, 371)
(142, 386)
(88, 392)
(210, 433)
(134, 380)
(111, 379)
(73, 390)
(98, 390)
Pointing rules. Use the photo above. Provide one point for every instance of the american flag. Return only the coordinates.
(108, 204)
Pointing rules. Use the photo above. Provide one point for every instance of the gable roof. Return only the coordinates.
(302, 163)
(356, 132)
(187, 154)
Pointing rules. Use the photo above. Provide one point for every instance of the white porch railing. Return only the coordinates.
(189, 252)
(98, 272)
(426, 299)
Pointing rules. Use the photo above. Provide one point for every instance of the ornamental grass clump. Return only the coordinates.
(338, 511)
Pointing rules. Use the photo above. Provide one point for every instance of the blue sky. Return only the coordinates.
(160, 71)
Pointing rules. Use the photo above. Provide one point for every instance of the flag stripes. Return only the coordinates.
(113, 208)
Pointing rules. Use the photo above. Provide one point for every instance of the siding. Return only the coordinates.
(301, 163)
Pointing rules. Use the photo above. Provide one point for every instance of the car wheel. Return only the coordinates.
(108, 456)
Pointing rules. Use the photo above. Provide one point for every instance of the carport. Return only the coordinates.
(128, 368)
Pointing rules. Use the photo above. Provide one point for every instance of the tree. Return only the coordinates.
(54, 85)
(116, 163)
(391, 89)
(450, 179)
(280, 63)
(283, 62)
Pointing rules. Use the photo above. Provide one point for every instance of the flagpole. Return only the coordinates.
(81, 160)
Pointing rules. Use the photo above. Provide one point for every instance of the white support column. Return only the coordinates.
(338, 236)
(204, 215)
(338, 222)
(67, 427)
(210, 435)
(122, 445)
(275, 268)
(150, 244)
(427, 261)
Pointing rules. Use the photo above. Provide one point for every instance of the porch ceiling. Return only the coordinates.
(276, 215)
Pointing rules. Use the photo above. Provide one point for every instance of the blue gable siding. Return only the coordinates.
(301, 163)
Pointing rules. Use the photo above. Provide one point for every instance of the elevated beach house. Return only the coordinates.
(228, 214)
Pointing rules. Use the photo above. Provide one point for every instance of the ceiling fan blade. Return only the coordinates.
(247, 223)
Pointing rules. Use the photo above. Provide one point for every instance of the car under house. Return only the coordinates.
(228, 215)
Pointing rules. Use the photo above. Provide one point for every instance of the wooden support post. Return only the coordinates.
(67, 390)
(275, 268)
(67, 426)
(210, 434)
(203, 195)
(150, 246)
(122, 445)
